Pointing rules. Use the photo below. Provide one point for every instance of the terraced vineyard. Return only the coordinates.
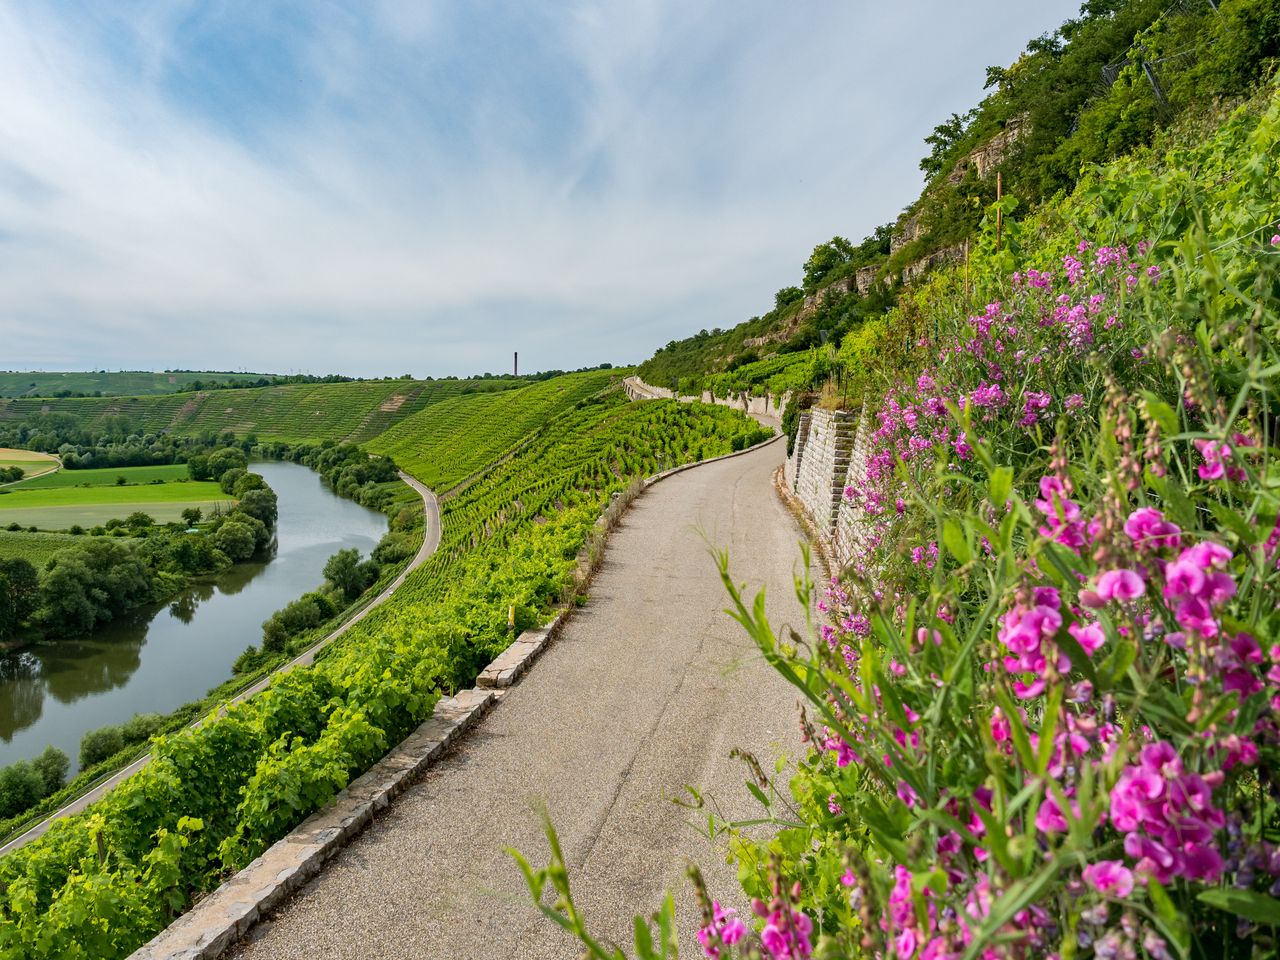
(511, 538)
(453, 439)
(297, 413)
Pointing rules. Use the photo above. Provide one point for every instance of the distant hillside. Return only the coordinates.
(128, 383)
(301, 413)
(1111, 81)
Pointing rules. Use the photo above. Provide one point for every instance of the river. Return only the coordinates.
(166, 656)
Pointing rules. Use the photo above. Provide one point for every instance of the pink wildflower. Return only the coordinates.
(1110, 878)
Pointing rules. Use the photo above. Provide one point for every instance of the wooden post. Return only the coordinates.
(999, 210)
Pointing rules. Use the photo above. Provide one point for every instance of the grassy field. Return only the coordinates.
(297, 413)
(33, 464)
(128, 383)
(106, 477)
(35, 547)
(59, 508)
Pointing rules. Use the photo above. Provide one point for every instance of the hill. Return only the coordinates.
(121, 383)
(1124, 76)
(298, 413)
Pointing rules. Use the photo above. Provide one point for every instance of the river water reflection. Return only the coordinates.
(167, 656)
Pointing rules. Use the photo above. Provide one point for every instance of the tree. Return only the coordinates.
(139, 521)
(785, 297)
(260, 504)
(244, 483)
(19, 593)
(21, 787)
(944, 138)
(90, 583)
(228, 480)
(236, 540)
(343, 571)
(198, 467)
(825, 258)
(228, 458)
(97, 745)
(52, 765)
(191, 516)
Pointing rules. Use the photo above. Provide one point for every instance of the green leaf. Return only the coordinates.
(1172, 923)
(1161, 413)
(954, 538)
(1000, 485)
(1249, 904)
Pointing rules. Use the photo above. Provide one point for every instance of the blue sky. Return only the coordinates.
(386, 187)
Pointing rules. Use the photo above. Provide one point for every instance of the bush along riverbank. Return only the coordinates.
(107, 749)
(1041, 710)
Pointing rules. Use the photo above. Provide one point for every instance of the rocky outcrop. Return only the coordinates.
(922, 266)
(986, 158)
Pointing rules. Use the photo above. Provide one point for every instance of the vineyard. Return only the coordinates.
(457, 437)
(100, 884)
(296, 413)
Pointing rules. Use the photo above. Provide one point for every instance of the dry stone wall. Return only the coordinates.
(829, 454)
(824, 467)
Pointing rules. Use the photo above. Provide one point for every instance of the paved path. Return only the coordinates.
(647, 689)
(430, 540)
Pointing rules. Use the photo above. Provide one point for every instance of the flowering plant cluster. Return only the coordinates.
(1042, 706)
(1048, 696)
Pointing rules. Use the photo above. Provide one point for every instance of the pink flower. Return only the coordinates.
(1148, 529)
(725, 927)
(1110, 877)
(1090, 637)
(1275, 241)
(1120, 585)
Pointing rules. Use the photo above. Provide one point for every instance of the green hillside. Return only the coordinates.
(296, 413)
(456, 437)
(1121, 77)
(125, 383)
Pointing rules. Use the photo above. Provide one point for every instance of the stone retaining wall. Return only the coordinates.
(766, 406)
(830, 452)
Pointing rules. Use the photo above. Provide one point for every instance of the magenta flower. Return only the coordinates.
(1120, 585)
(725, 926)
(1110, 878)
(1148, 529)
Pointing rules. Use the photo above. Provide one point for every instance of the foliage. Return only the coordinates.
(1041, 707)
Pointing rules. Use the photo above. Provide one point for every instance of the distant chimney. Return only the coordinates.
(515, 364)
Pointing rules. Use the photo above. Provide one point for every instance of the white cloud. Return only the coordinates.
(440, 188)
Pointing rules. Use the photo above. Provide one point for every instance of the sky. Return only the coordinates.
(381, 187)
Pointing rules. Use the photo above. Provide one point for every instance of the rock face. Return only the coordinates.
(985, 158)
(911, 229)
(922, 266)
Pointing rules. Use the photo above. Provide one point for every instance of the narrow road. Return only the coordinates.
(647, 689)
(430, 540)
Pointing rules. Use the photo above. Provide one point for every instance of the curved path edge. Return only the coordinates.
(430, 541)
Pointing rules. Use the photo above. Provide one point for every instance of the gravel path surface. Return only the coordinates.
(647, 689)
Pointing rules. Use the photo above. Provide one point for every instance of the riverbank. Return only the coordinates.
(93, 784)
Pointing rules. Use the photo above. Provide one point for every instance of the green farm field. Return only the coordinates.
(33, 464)
(60, 508)
(296, 413)
(106, 477)
(34, 547)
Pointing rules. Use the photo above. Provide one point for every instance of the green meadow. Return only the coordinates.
(107, 477)
(31, 463)
(60, 508)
